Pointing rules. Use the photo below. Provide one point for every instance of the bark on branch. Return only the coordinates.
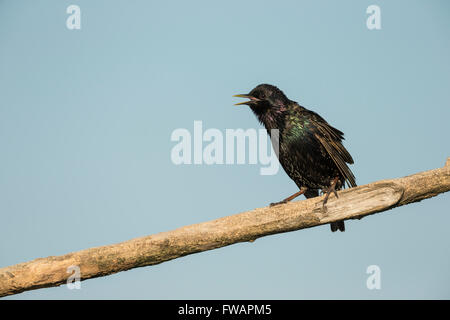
(247, 226)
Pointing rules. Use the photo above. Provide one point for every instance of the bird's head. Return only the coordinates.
(263, 98)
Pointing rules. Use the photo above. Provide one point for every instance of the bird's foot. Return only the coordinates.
(273, 204)
(295, 195)
(329, 190)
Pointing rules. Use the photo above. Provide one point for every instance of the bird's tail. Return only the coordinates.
(338, 225)
(335, 226)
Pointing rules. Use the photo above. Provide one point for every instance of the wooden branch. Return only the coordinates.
(247, 226)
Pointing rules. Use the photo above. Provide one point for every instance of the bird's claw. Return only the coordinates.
(335, 193)
(331, 189)
(273, 204)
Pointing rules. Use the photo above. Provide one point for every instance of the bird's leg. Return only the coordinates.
(331, 188)
(295, 195)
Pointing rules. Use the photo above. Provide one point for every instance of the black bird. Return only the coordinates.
(310, 150)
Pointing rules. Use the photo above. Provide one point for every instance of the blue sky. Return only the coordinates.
(86, 118)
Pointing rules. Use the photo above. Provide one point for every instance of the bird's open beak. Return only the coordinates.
(245, 96)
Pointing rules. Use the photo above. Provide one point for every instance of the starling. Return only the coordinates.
(310, 150)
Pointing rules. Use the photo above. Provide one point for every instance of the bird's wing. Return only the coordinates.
(331, 139)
